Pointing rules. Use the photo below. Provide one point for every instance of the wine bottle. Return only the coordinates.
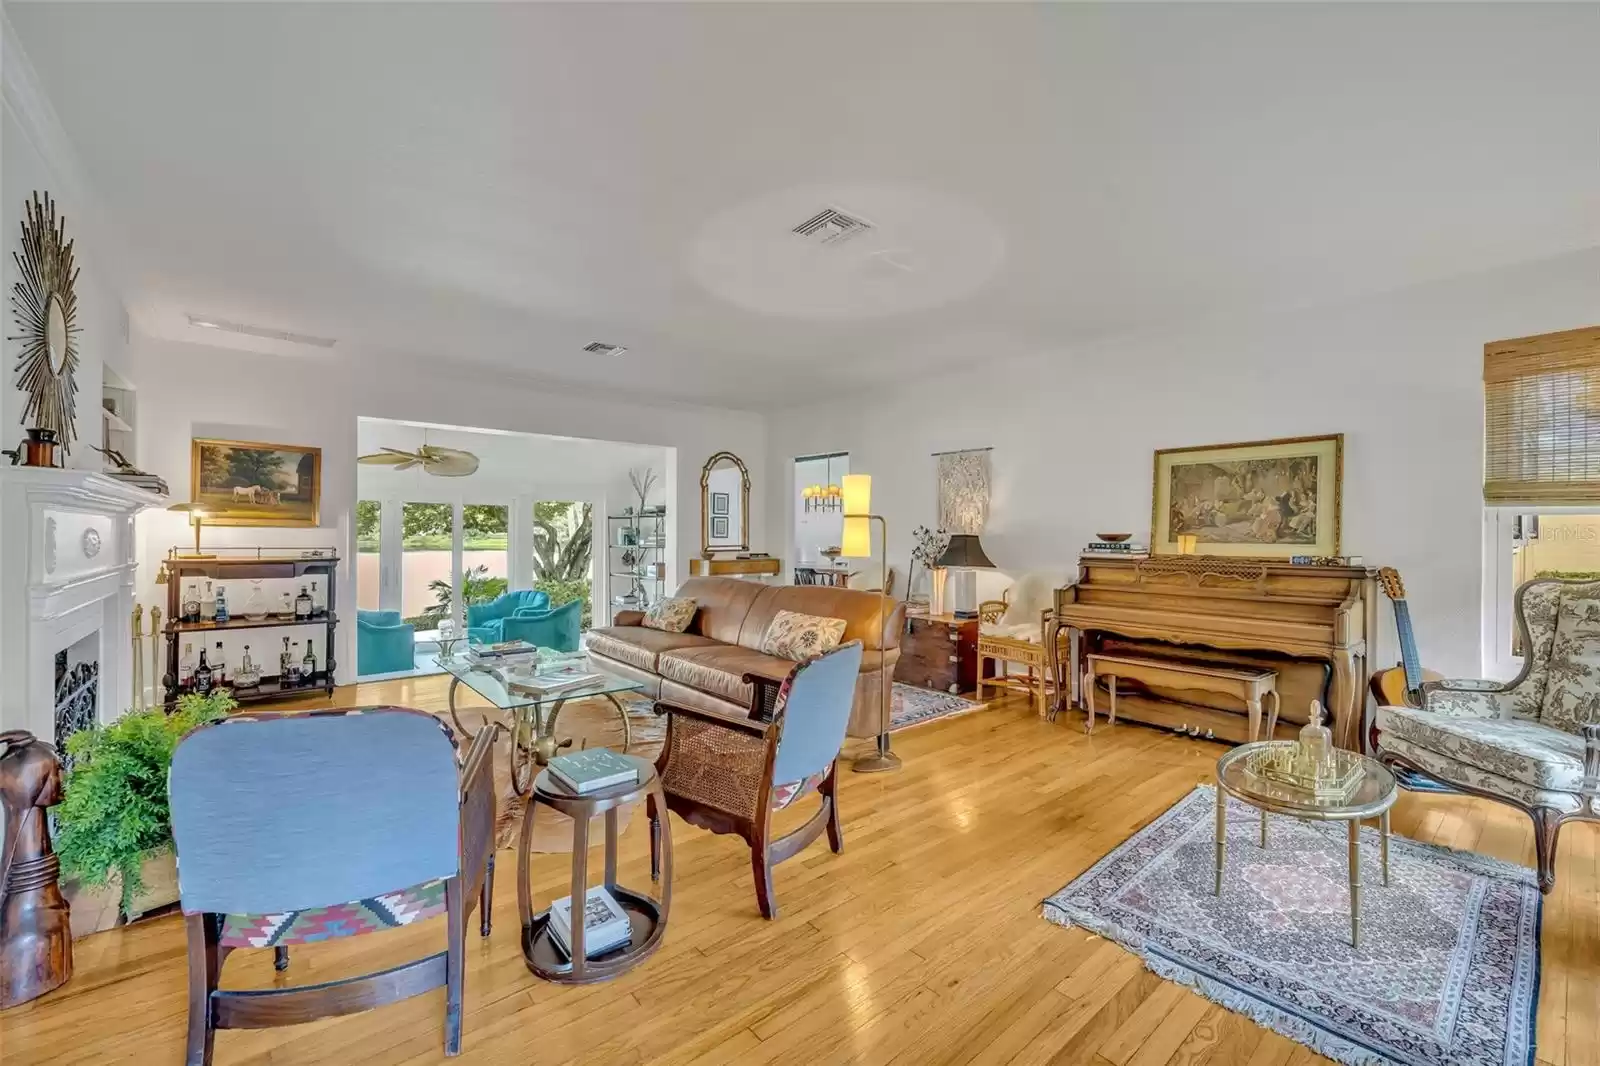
(288, 669)
(208, 604)
(302, 604)
(221, 611)
(308, 666)
(186, 667)
(202, 676)
(219, 667)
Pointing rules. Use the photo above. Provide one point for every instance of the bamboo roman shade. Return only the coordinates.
(1541, 419)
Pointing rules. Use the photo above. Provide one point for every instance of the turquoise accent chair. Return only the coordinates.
(484, 620)
(558, 628)
(384, 643)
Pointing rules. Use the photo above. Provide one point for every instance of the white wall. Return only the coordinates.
(190, 390)
(1073, 430)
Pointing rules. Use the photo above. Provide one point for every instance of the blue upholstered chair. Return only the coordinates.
(384, 643)
(558, 628)
(305, 826)
(484, 619)
(729, 774)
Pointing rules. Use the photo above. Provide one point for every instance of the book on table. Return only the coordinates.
(547, 678)
(592, 770)
(605, 924)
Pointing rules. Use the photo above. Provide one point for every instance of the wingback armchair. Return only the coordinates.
(1532, 742)
(484, 620)
(729, 775)
(557, 628)
(384, 643)
(306, 826)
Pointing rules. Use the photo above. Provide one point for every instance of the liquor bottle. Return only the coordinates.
(219, 668)
(222, 603)
(287, 610)
(208, 605)
(302, 604)
(318, 608)
(288, 669)
(186, 669)
(191, 601)
(308, 666)
(202, 676)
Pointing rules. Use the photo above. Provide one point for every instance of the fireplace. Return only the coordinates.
(66, 598)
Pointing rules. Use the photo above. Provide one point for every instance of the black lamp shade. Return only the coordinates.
(964, 550)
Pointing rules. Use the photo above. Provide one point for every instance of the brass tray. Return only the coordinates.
(1275, 764)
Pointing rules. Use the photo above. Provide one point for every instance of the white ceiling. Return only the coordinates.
(503, 184)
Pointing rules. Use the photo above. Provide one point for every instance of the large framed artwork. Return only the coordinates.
(243, 483)
(1265, 498)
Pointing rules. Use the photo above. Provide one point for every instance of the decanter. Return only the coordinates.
(1314, 757)
(248, 675)
(255, 604)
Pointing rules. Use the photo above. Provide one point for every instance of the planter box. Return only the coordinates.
(94, 910)
(160, 875)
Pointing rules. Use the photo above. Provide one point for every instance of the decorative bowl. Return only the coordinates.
(832, 553)
(1114, 538)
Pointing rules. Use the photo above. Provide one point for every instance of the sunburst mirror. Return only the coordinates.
(45, 303)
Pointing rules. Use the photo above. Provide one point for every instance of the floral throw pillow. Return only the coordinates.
(792, 635)
(670, 616)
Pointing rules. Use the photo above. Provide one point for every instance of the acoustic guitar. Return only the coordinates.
(1401, 686)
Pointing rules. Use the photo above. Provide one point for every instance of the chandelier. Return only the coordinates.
(823, 497)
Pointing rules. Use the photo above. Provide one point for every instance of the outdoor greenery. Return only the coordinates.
(115, 809)
(427, 526)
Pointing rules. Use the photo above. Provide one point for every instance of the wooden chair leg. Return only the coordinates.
(486, 899)
(830, 797)
(655, 814)
(1546, 829)
(205, 967)
(761, 867)
(280, 958)
(1088, 701)
(455, 963)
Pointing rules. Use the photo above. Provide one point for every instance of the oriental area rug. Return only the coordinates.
(1448, 969)
(913, 706)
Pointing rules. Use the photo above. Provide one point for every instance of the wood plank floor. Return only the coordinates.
(920, 944)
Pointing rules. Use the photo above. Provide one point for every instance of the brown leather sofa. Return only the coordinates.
(704, 666)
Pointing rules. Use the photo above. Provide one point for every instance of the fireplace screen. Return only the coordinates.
(77, 693)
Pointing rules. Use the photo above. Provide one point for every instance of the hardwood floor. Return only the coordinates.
(921, 944)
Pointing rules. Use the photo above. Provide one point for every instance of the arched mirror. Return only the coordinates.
(724, 505)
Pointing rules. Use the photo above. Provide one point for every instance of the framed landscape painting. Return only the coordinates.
(1268, 498)
(242, 483)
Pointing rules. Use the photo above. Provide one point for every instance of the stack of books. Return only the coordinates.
(549, 678)
(137, 478)
(500, 656)
(1122, 549)
(605, 923)
(592, 770)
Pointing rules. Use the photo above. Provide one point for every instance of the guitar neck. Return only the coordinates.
(1408, 645)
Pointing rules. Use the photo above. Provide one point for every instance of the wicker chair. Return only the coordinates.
(728, 775)
(302, 827)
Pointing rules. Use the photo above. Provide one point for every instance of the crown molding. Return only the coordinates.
(24, 98)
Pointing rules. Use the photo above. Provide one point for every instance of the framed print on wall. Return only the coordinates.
(719, 503)
(1267, 498)
(719, 527)
(244, 483)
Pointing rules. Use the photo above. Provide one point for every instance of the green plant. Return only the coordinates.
(563, 592)
(115, 809)
(477, 587)
(562, 542)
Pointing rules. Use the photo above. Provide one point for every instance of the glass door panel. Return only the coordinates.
(369, 570)
(427, 576)
(483, 551)
(562, 542)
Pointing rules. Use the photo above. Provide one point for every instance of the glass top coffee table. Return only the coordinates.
(532, 718)
(1372, 797)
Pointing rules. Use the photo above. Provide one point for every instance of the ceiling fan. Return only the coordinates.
(441, 462)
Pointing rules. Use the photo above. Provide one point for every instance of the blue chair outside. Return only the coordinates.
(558, 628)
(484, 620)
(302, 827)
(384, 643)
(729, 774)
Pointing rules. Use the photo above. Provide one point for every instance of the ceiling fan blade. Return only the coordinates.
(458, 465)
(397, 451)
(410, 463)
(385, 459)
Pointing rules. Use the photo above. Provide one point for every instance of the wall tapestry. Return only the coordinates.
(964, 491)
(240, 483)
(1269, 499)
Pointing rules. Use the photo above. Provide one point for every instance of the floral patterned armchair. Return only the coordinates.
(1532, 742)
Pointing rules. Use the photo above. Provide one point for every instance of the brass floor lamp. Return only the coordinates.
(856, 542)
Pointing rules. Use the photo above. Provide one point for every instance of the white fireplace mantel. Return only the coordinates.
(67, 562)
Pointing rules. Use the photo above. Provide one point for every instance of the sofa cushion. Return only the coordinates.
(718, 670)
(1572, 691)
(1512, 748)
(796, 636)
(638, 646)
(1444, 768)
(722, 604)
(863, 613)
(671, 615)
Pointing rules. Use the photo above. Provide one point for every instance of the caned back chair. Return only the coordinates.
(729, 775)
(303, 827)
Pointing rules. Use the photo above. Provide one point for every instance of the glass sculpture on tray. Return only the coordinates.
(1311, 765)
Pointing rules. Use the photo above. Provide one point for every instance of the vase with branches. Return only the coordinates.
(926, 547)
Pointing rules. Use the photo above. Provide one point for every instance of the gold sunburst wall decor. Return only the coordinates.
(45, 303)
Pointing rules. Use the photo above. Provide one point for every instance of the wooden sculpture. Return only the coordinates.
(35, 924)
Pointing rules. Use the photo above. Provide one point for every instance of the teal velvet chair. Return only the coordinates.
(484, 620)
(558, 628)
(384, 643)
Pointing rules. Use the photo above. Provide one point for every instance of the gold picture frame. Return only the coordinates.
(250, 483)
(1270, 499)
(711, 540)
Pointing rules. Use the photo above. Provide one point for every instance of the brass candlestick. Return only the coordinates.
(157, 695)
(138, 659)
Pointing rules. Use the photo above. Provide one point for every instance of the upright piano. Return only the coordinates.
(1312, 624)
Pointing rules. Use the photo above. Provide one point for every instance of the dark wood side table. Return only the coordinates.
(939, 652)
(647, 914)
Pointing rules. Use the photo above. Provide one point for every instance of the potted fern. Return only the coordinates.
(114, 829)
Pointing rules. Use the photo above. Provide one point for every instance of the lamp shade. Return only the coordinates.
(964, 550)
(857, 492)
(855, 541)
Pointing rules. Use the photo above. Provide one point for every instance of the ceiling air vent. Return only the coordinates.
(832, 226)
(284, 335)
(597, 348)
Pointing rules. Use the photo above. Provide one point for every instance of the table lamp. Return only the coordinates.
(962, 557)
(197, 516)
(856, 542)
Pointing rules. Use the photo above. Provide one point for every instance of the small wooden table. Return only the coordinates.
(1252, 684)
(647, 914)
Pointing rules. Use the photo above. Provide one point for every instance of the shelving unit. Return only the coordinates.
(247, 564)
(644, 535)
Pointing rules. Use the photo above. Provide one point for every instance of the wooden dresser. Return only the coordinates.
(1311, 624)
(939, 652)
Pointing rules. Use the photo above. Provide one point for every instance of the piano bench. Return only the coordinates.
(1256, 686)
